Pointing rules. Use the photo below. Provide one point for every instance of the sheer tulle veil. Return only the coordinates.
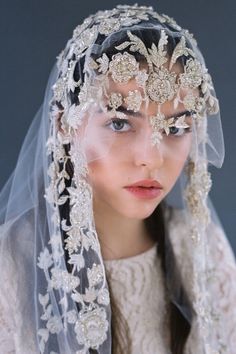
(48, 241)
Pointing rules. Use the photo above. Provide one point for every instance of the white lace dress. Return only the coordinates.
(138, 287)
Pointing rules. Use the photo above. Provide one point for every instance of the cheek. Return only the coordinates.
(175, 161)
(101, 175)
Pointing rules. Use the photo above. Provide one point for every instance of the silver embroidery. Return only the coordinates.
(103, 63)
(133, 101)
(61, 279)
(158, 55)
(180, 50)
(161, 85)
(193, 103)
(192, 76)
(91, 328)
(115, 100)
(108, 26)
(123, 67)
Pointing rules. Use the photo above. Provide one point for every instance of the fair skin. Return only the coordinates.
(119, 215)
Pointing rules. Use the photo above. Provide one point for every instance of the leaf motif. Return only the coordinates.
(163, 40)
(62, 200)
(157, 56)
(180, 50)
(64, 226)
(104, 63)
(123, 45)
(47, 314)
(61, 186)
(43, 333)
(139, 46)
(92, 64)
(41, 345)
(77, 297)
(180, 123)
(43, 299)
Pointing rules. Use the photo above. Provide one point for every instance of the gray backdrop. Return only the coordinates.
(33, 32)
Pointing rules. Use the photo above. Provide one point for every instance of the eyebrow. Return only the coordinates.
(124, 110)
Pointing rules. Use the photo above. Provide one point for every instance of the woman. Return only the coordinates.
(109, 243)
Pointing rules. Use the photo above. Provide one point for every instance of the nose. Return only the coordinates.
(148, 155)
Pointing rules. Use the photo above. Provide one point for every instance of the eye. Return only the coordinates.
(119, 125)
(179, 131)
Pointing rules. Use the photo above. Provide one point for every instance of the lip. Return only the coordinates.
(145, 189)
(146, 183)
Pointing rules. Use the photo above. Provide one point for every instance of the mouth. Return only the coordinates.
(146, 183)
(145, 189)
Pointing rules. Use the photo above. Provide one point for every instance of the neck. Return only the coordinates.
(121, 237)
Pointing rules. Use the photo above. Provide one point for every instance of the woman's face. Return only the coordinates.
(122, 155)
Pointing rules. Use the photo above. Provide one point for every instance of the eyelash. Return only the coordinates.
(113, 121)
(118, 120)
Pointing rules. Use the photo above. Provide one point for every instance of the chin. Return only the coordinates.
(140, 213)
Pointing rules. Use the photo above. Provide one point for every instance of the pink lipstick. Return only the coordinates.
(145, 189)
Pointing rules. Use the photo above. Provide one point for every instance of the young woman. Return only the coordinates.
(109, 243)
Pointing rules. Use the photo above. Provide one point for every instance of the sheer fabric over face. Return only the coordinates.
(128, 69)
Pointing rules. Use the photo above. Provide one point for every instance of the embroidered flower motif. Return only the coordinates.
(90, 295)
(80, 199)
(73, 241)
(61, 279)
(104, 297)
(161, 85)
(133, 101)
(193, 74)
(194, 103)
(91, 328)
(77, 260)
(109, 25)
(45, 259)
(95, 274)
(57, 249)
(71, 316)
(123, 67)
(115, 100)
(54, 324)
